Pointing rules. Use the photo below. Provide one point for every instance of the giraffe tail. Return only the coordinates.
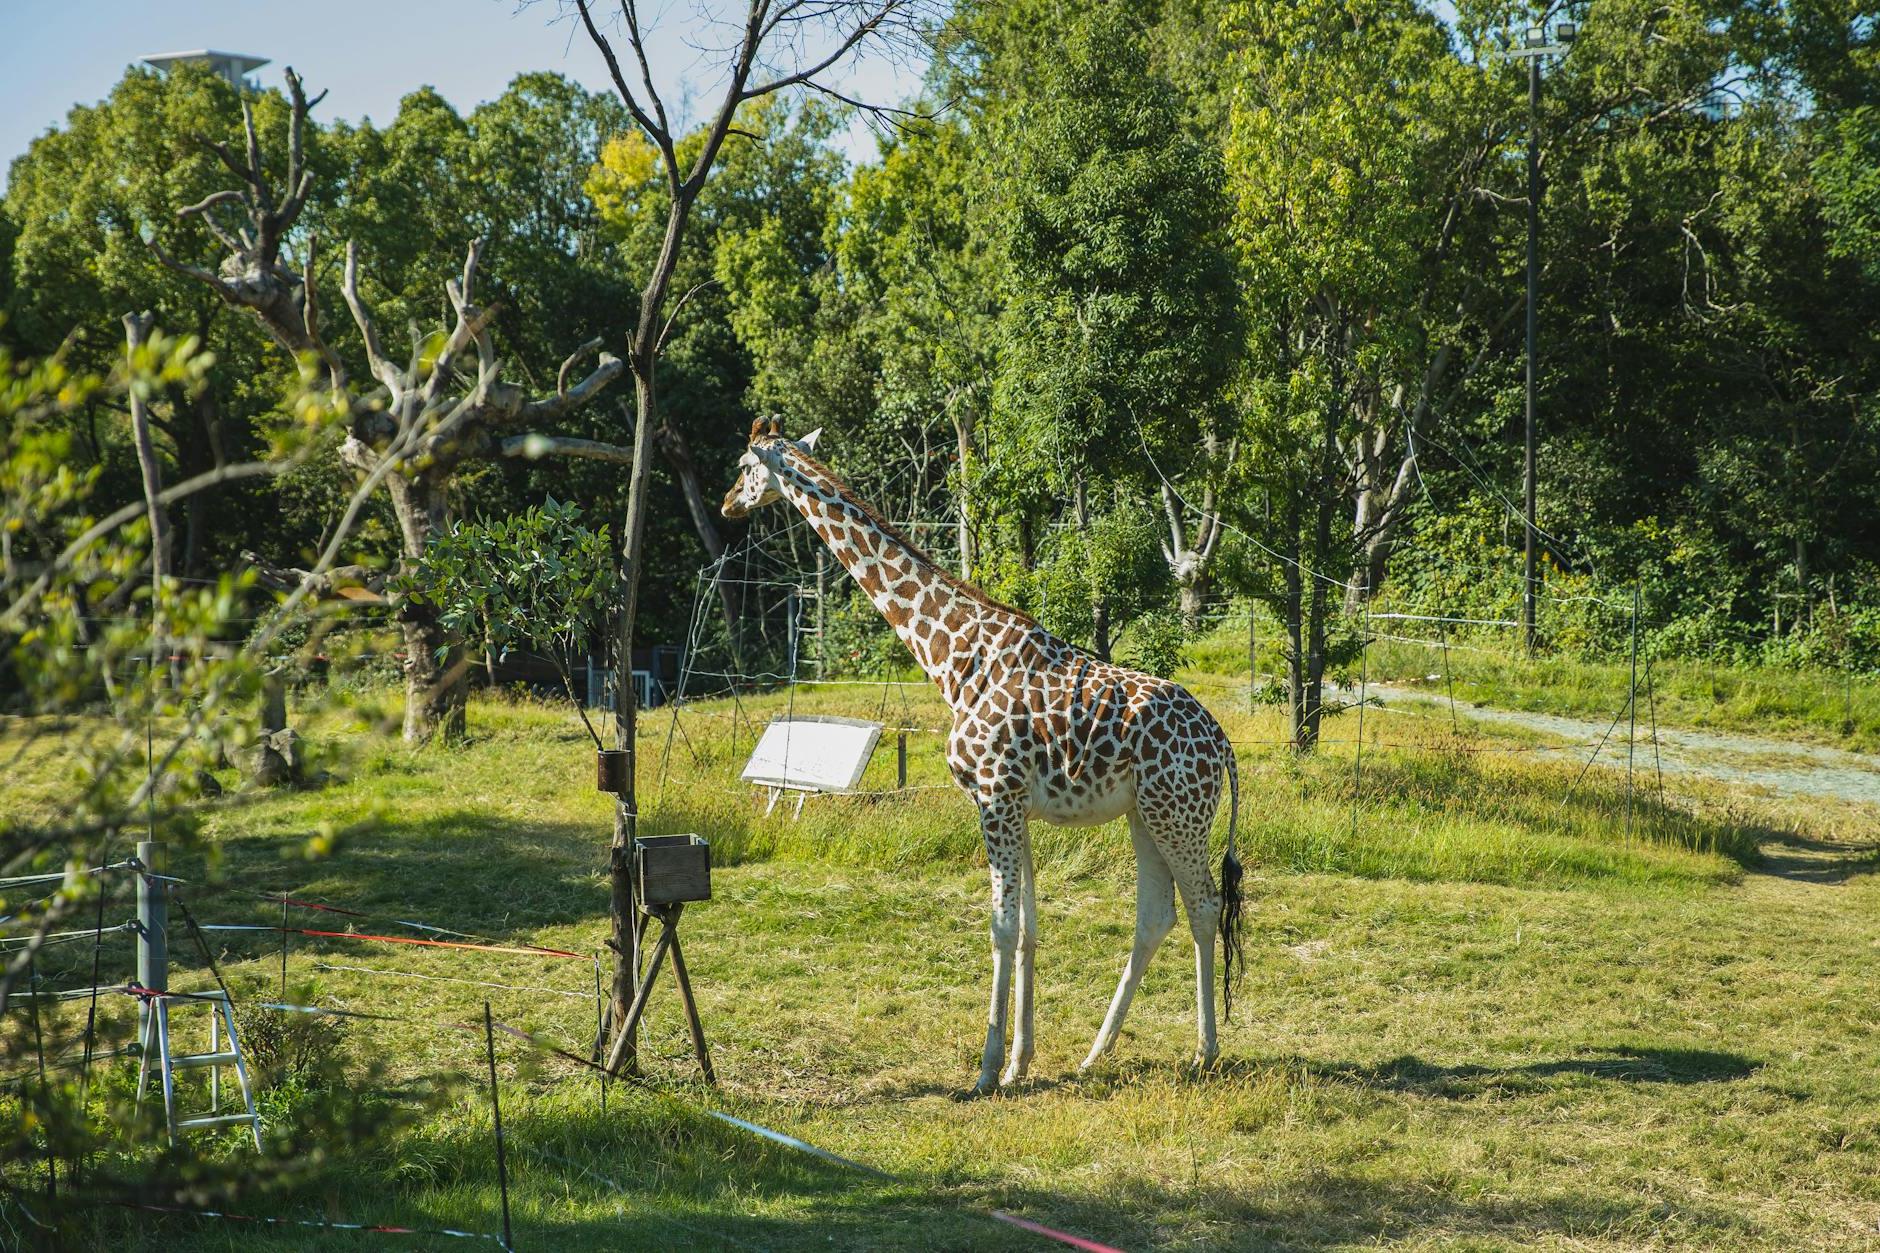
(1231, 896)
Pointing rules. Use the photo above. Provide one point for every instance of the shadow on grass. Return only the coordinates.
(1410, 1073)
(1786, 855)
(1331, 1209)
(470, 870)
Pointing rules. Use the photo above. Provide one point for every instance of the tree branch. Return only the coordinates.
(533, 447)
(862, 30)
(381, 365)
(567, 364)
(659, 134)
(357, 584)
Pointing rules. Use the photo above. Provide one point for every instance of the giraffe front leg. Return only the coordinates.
(1003, 826)
(1023, 976)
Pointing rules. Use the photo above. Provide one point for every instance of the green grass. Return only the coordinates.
(1821, 706)
(1481, 1018)
(1827, 707)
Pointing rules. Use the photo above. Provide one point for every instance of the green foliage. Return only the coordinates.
(131, 703)
(537, 580)
(1154, 644)
(1849, 170)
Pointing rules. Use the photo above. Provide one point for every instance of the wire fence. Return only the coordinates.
(490, 1029)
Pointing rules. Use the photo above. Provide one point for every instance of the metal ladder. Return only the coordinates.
(157, 1041)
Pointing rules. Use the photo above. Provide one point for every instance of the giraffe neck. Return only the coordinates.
(938, 619)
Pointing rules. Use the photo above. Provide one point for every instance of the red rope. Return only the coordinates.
(1052, 1233)
(285, 899)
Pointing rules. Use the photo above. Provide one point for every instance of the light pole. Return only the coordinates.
(1533, 50)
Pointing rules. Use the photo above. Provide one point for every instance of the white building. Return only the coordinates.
(232, 66)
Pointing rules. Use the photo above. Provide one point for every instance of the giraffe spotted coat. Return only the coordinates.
(1041, 729)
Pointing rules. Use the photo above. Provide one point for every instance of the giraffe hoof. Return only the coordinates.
(978, 1092)
(1011, 1078)
(1206, 1063)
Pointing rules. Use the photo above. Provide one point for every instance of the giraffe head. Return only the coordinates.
(757, 484)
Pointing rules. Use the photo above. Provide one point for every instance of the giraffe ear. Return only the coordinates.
(808, 442)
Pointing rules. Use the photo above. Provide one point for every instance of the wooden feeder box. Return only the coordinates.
(610, 770)
(671, 869)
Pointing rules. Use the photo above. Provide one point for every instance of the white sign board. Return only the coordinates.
(813, 754)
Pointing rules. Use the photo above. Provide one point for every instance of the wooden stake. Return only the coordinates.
(1631, 735)
(623, 1038)
(684, 981)
(496, 1116)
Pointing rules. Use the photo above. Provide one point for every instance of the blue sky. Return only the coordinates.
(369, 53)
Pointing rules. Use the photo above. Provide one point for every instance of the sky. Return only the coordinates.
(366, 53)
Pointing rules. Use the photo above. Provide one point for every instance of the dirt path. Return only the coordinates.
(1782, 767)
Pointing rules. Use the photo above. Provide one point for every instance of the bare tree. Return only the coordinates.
(777, 45)
(428, 418)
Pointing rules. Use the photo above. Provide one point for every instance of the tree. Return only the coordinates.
(764, 209)
(435, 410)
(536, 580)
(81, 197)
(771, 31)
(143, 773)
(1120, 332)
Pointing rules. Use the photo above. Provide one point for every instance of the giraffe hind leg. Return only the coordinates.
(1179, 821)
(1155, 918)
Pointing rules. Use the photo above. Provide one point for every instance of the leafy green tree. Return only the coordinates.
(1362, 160)
(81, 199)
(1706, 374)
(536, 581)
(432, 414)
(1119, 334)
(1848, 169)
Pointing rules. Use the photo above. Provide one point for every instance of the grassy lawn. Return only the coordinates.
(1482, 1016)
(1826, 707)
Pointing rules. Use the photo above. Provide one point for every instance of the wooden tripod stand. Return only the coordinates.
(666, 945)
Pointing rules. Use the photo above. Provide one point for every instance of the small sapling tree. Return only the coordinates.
(536, 581)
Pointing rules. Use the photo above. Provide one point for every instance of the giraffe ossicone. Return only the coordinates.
(1041, 729)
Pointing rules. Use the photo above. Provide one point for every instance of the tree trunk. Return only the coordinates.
(1294, 623)
(136, 329)
(435, 693)
(1379, 510)
(678, 453)
(1099, 603)
(436, 676)
(1317, 598)
(623, 935)
(1368, 575)
(963, 436)
(1194, 590)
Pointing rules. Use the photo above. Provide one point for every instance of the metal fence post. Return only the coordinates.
(153, 926)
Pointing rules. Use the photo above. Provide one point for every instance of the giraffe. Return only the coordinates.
(1041, 729)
